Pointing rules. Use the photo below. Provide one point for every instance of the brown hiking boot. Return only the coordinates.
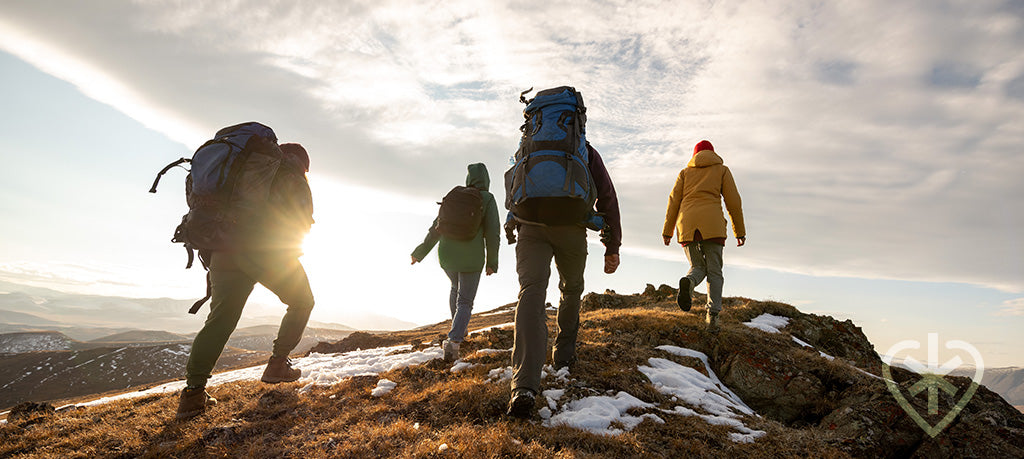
(193, 402)
(712, 321)
(279, 369)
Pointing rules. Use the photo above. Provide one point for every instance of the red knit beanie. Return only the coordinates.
(703, 145)
(298, 152)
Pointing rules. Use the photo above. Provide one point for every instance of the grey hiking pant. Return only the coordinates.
(706, 261)
(232, 278)
(534, 251)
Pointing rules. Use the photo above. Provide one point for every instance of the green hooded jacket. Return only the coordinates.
(468, 256)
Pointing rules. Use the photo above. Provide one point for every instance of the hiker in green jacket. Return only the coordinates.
(271, 259)
(462, 260)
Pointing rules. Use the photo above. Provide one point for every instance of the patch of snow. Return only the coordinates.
(597, 413)
(383, 387)
(768, 323)
(317, 369)
(712, 377)
(442, 448)
(561, 375)
(481, 330)
(500, 374)
(804, 344)
(553, 395)
(545, 413)
(462, 365)
(705, 392)
(494, 312)
(492, 351)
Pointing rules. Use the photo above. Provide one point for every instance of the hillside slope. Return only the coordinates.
(650, 383)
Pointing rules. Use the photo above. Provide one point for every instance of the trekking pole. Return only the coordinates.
(164, 171)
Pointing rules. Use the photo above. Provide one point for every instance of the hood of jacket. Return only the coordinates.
(478, 177)
(705, 158)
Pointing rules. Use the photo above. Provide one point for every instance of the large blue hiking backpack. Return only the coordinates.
(550, 182)
(227, 190)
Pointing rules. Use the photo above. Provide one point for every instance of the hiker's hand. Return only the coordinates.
(740, 241)
(611, 263)
(414, 260)
(490, 271)
(667, 239)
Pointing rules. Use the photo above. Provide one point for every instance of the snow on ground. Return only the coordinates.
(383, 387)
(495, 312)
(804, 344)
(597, 413)
(708, 393)
(481, 330)
(317, 369)
(463, 365)
(492, 351)
(691, 386)
(768, 323)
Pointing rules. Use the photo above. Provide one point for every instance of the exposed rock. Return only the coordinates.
(357, 340)
(838, 339)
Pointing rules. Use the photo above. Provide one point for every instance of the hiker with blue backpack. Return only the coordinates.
(551, 193)
(694, 213)
(468, 230)
(250, 208)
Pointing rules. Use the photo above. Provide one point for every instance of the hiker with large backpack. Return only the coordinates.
(467, 228)
(551, 193)
(695, 214)
(250, 207)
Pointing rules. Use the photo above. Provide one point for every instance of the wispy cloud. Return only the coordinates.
(868, 139)
(1014, 307)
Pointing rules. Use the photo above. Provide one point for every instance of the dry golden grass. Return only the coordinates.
(433, 412)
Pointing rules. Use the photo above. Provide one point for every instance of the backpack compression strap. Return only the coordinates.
(204, 258)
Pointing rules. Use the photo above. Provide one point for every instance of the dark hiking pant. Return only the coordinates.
(534, 251)
(232, 278)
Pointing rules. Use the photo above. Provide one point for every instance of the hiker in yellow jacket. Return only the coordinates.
(695, 213)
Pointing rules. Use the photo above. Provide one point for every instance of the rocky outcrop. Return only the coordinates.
(834, 387)
(355, 341)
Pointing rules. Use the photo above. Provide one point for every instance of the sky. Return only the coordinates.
(877, 145)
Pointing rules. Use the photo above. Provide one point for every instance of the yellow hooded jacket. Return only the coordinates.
(696, 200)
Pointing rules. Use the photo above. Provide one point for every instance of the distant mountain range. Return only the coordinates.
(51, 366)
(90, 317)
(1005, 381)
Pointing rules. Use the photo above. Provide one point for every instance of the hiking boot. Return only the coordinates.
(712, 321)
(279, 370)
(521, 404)
(565, 363)
(683, 296)
(451, 350)
(193, 402)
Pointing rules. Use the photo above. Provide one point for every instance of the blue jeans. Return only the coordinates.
(706, 262)
(460, 301)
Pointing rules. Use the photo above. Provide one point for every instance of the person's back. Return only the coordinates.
(461, 258)
(545, 234)
(694, 212)
(269, 257)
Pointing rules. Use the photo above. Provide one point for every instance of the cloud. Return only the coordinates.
(1014, 307)
(868, 139)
